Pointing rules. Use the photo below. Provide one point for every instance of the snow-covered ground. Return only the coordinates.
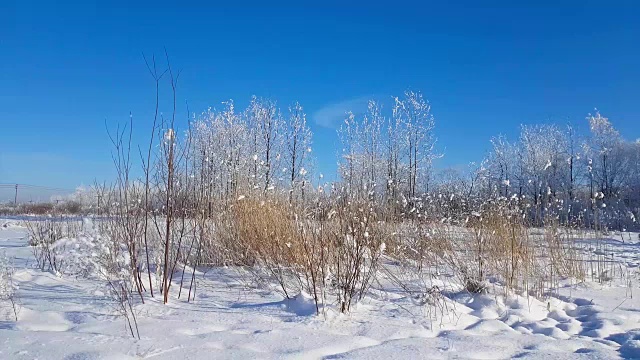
(69, 318)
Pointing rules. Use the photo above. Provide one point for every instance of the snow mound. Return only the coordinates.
(301, 305)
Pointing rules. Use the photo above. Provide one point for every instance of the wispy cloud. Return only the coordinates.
(332, 115)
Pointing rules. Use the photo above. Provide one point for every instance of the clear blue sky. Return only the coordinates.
(66, 68)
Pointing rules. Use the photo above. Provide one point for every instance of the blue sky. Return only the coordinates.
(66, 68)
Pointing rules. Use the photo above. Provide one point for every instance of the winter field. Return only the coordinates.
(425, 180)
(218, 239)
(64, 315)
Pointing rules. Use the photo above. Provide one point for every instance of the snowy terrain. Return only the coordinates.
(62, 317)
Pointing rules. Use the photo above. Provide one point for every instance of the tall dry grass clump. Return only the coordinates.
(267, 243)
(492, 245)
(503, 249)
(332, 255)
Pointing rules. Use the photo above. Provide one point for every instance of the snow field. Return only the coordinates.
(62, 317)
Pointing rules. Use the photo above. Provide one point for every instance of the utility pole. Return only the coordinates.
(15, 198)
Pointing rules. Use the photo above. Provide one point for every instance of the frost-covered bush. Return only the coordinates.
(356, 241)
(44, 239)
(7, 286)
(90, 254)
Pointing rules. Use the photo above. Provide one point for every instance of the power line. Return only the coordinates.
(29, 186)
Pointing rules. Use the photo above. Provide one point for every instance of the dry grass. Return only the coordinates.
(492, 247)
(336, 253)
(335, 250)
